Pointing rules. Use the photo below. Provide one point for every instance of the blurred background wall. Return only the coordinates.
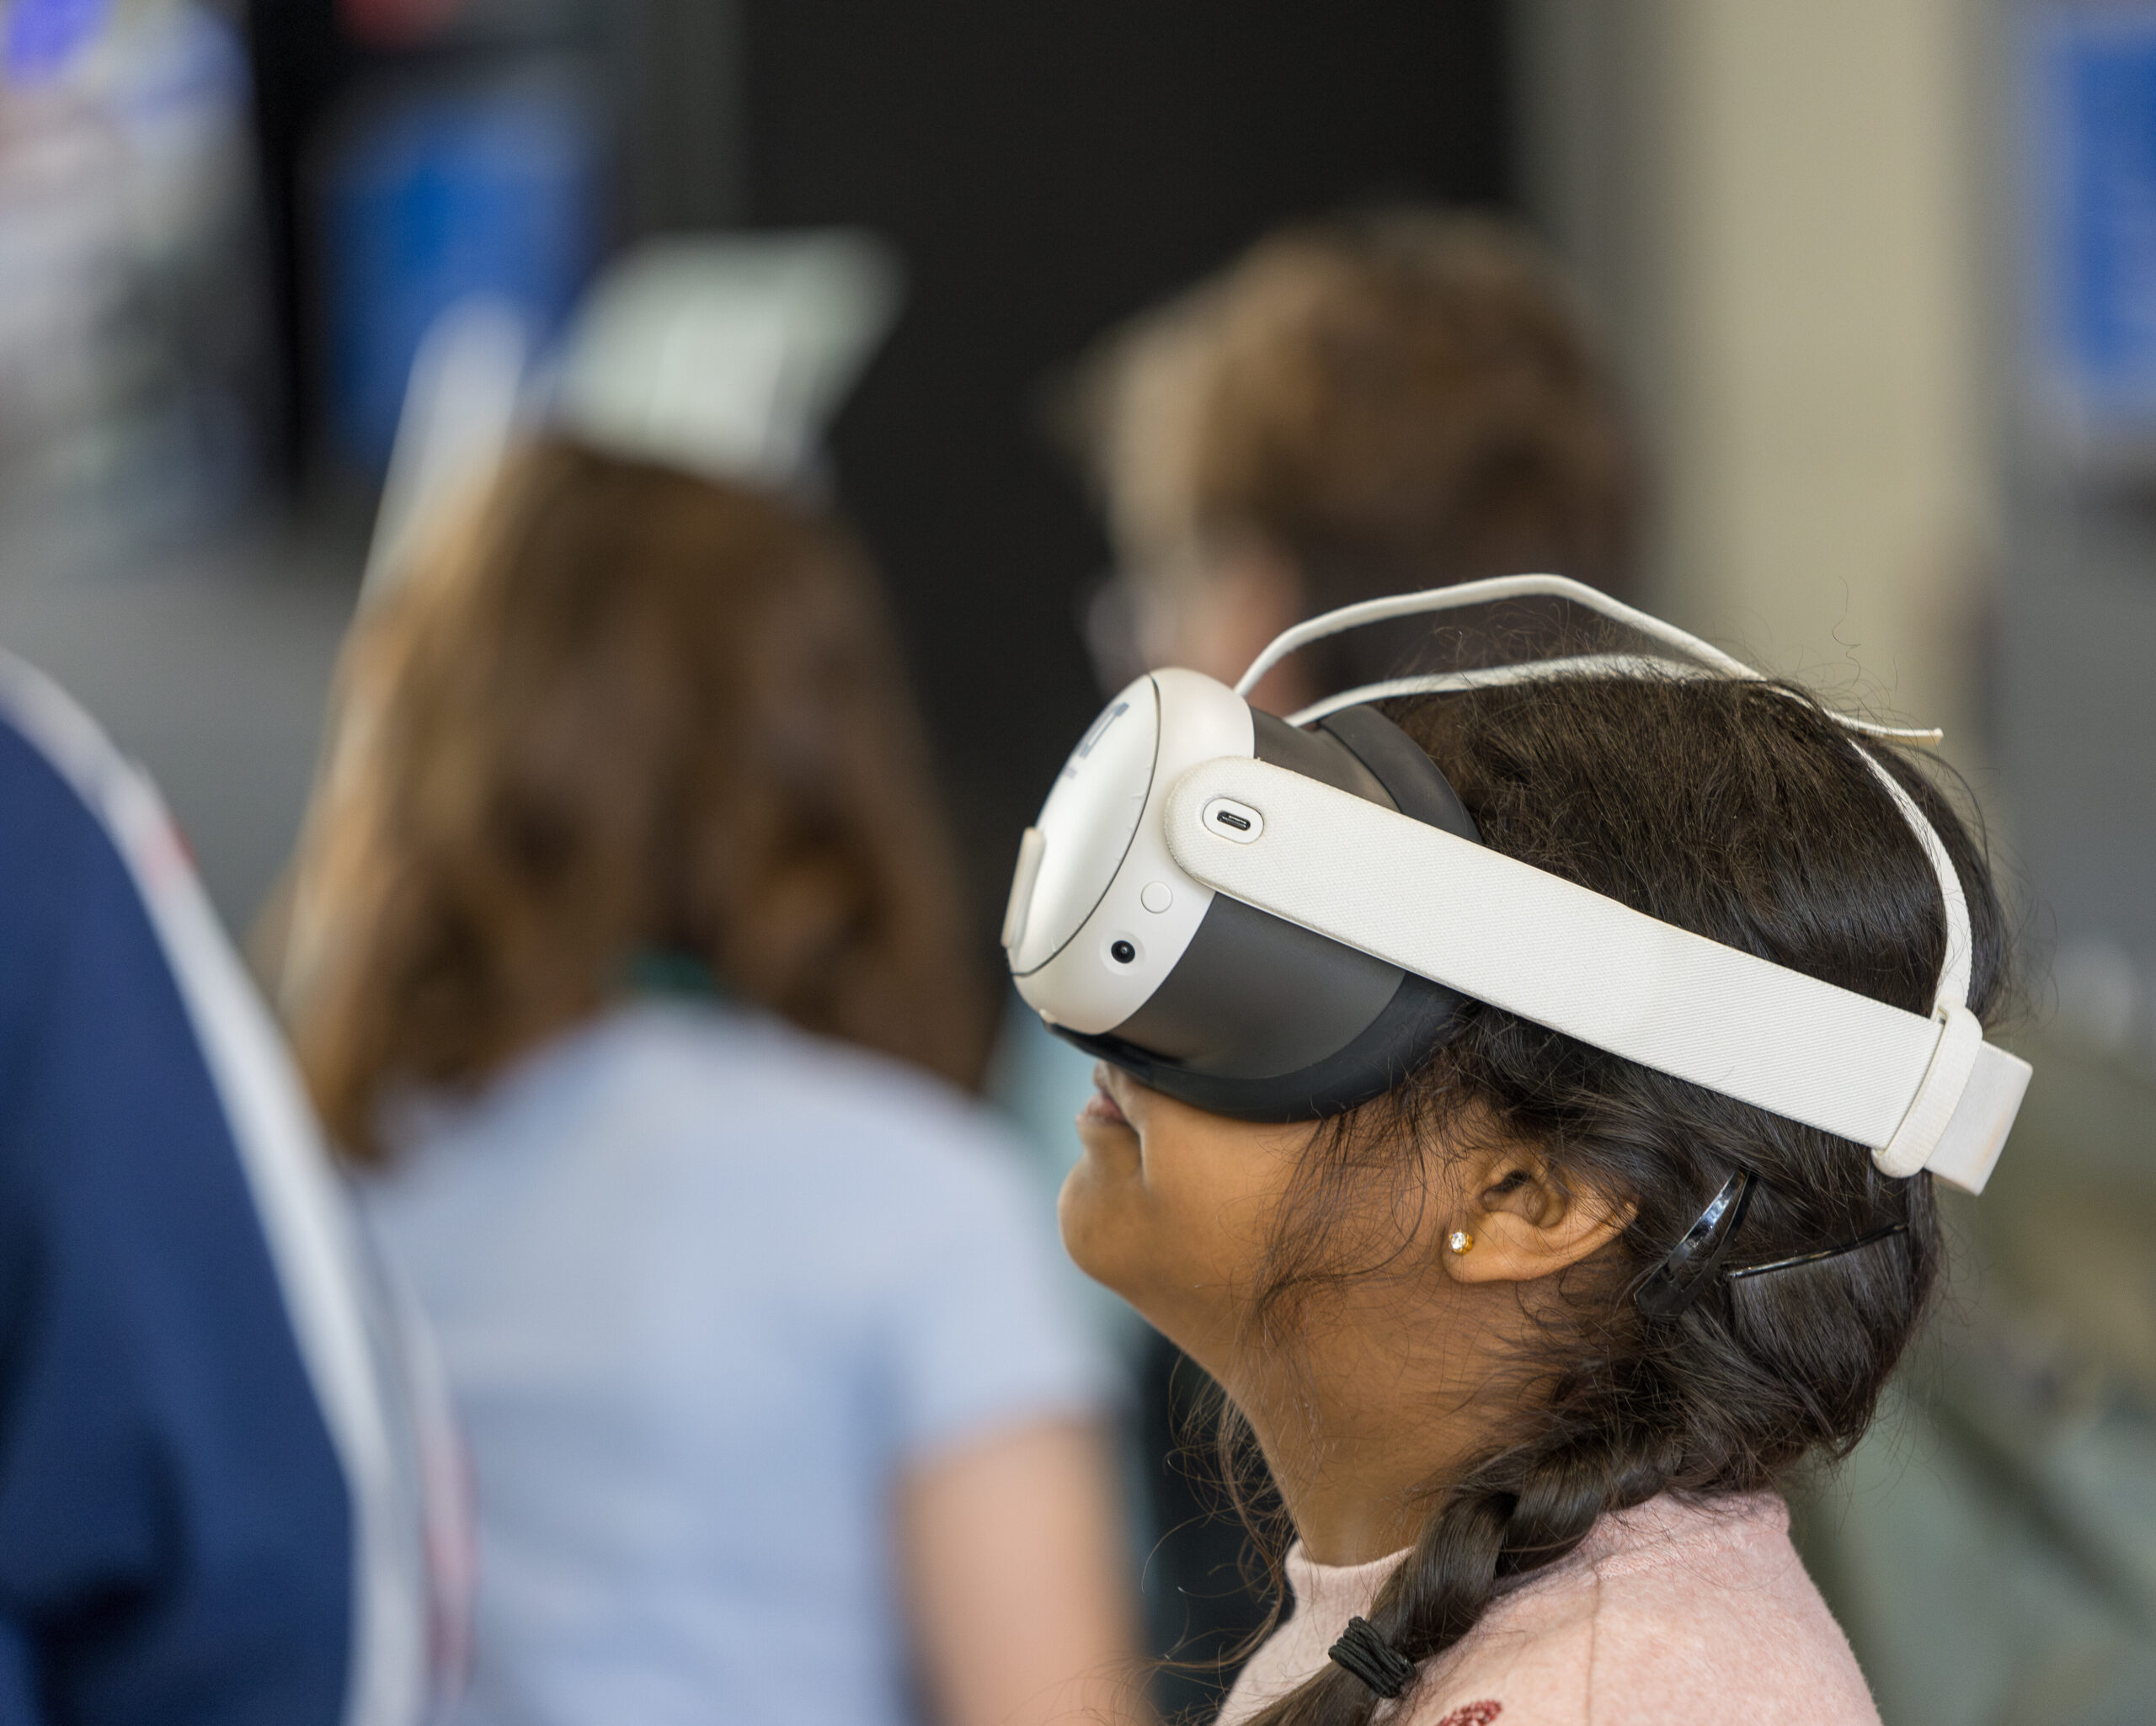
(1879, 273)
(1874, 271)
(1777, 207)
(1046, 171)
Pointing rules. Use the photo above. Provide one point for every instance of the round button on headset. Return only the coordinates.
(1157, 896)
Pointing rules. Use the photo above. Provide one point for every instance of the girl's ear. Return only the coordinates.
(1513, 1221)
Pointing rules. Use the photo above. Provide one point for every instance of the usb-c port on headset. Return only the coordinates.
(1238, 822)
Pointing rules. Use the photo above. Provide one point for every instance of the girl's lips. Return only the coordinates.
(1101, 1106)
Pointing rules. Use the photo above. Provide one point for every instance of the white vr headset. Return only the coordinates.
(1276, 920)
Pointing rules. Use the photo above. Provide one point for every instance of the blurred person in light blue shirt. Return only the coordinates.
(625, 945)
(711, 1290)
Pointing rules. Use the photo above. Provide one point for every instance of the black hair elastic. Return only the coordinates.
(1675, 1283)
(1368, 1655)
(1791, 1264)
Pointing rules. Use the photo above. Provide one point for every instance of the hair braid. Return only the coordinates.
(1519, 1511)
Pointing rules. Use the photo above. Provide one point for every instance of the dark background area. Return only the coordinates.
(1045, 170)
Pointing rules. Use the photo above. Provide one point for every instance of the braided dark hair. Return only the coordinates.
(1739, 810)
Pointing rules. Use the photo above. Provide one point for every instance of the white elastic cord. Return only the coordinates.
(1483, 593)
(1519, 587)
(1448, 683)
(1953, 989)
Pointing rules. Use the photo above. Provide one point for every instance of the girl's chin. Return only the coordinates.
(1110, 1145)
(1086, 1210)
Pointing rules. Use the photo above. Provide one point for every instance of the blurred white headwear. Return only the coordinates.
(728, 356)
(725, 355)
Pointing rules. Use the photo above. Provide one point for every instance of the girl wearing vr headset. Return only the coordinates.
(1532, 1286)
(1388, 398)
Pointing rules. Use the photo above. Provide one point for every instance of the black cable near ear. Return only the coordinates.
(1675, 1283)
(1820, 1257)
(1368, 1655)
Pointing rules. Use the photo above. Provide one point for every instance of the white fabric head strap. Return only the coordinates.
(1921, 1091)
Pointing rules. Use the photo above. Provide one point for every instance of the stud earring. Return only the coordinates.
(1460, 1240)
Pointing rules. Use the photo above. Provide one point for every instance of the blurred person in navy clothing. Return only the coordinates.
(210, 1503)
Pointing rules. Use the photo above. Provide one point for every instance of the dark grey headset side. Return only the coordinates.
(1262, 1020)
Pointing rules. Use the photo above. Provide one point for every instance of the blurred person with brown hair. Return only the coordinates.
(1370, 405)
(632, 718)
(626, 956)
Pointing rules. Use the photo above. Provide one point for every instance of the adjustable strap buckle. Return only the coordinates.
(1958, 1123)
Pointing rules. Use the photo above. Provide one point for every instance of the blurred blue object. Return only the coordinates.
(438, 196)
(2089, 80)
(43, 36)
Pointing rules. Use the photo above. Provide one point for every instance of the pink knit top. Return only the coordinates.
(1673, 1614)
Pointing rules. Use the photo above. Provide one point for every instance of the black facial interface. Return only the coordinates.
(1263, 1019)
